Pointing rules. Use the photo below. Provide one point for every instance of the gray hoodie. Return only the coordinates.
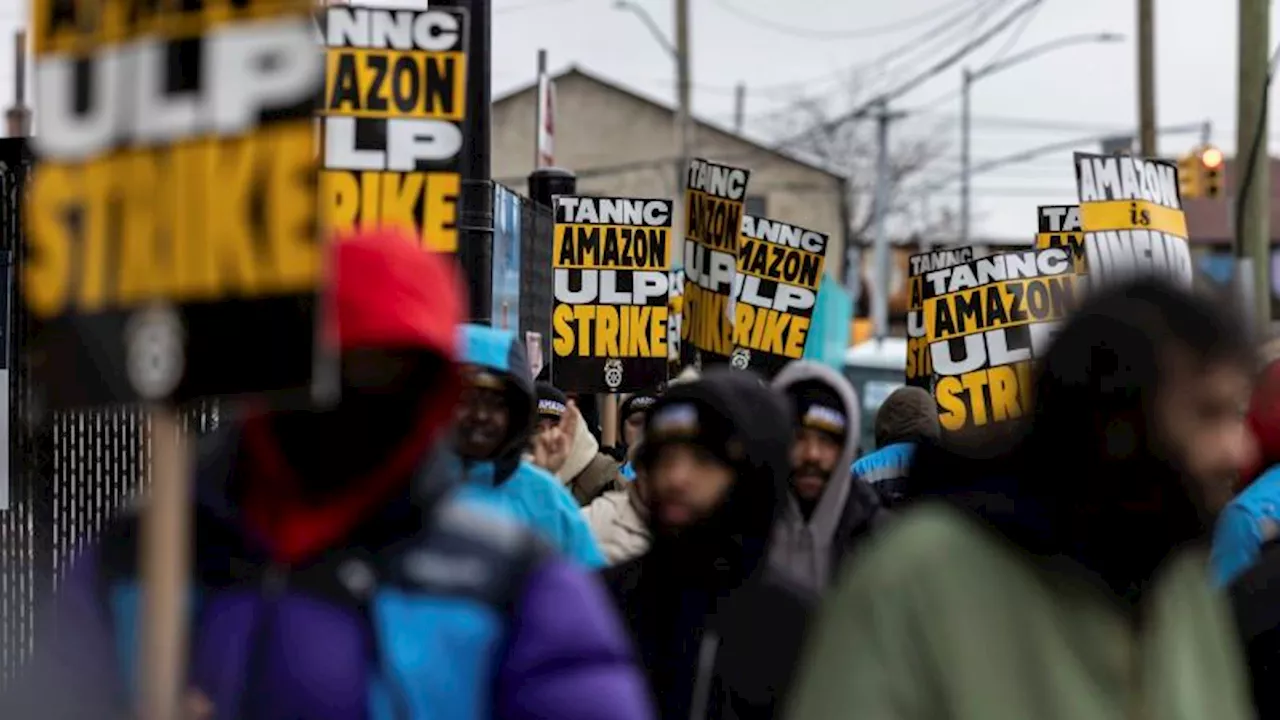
(808, 552)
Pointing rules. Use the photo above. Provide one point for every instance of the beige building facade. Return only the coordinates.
(621, 143)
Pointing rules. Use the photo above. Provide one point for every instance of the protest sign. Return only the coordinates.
(171, 249)
(714, 198)
(775, 291)
(1060, 227)
(609, 326)
(675, 315)
(983, 322)
(1131, 214)
(394, 102)
(919, 372)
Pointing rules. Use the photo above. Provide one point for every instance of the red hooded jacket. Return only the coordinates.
(386, 292)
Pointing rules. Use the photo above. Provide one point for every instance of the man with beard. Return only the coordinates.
(827, 511)
(717, 632)
(327, 549)
(497, 414)
(1066, 580)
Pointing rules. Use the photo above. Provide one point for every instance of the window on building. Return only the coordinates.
(755, 205)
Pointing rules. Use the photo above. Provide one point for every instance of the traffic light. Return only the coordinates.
(1190, 176)
(1211, 162)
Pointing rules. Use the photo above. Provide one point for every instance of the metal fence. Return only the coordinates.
(67, 476)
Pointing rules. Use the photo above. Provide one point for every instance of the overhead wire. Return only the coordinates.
(818, 34)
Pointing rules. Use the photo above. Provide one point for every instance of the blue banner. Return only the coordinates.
(506, 258)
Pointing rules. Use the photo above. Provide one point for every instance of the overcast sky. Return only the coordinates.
(810, 48)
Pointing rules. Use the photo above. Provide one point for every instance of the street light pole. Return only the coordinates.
(683, 124)
(679, 52)
(966, 89)
(966, 83)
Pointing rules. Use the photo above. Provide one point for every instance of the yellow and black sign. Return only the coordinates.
(171, 250)
(611, 258)
(1131, 214)
(394, 102)
(779, 271)
(714, 199)
(1060, 227)
(983, 322)
(918, 371)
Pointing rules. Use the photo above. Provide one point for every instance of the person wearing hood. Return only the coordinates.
(1065, 578)
(631, 416)
(1253, 517)
(323, 541)
(906, 418)
(827, 511)
(718, 632)
(585, 472)
(496, 417)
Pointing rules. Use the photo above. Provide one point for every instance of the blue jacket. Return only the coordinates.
(886, 470)
(512, 486)
(1248, 521)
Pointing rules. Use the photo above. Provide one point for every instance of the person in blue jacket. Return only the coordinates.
(497, 414)
(1252, 518)
(908, 416)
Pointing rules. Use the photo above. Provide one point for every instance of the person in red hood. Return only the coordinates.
(336, 575)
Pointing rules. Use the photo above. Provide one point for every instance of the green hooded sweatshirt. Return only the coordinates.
(942, 618)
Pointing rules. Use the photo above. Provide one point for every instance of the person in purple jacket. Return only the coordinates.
(336, 576)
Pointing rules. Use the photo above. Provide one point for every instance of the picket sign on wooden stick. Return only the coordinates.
(609, 433)
(165, 559)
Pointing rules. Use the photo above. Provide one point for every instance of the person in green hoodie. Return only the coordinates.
(1064, 578)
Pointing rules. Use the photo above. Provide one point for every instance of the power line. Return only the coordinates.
(816, 34)
(937, 68)
(1014, 37)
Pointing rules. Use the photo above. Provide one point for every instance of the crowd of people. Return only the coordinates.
(451, 540)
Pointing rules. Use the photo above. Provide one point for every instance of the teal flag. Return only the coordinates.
(828, 339)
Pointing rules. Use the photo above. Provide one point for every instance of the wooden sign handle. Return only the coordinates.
(165, 559)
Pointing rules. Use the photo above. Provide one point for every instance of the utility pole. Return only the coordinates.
(1253, 164)
(684, 140)
(18, 117)
(880, 230)
(966, 84)
(1147, 78)
(739, 106)
(539, 114)
(475, 212)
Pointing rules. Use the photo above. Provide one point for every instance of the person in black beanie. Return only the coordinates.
(631, 417)
(718, 632)
(828, 512)
(585, 472)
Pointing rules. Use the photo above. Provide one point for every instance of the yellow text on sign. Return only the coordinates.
(1132, 215)
(610, 331)
(199, 221)
(395, 84)
(712, 221)
(82, 26)
(770, 331)
(705, 324)
(426, 202)
(769, 261)
(617, 247)
(1073, 241)
(982, 397)
(1000, 305)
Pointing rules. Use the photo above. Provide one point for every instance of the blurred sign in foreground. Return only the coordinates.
(171, 248)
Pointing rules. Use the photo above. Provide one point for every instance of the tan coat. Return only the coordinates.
(618, 521)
